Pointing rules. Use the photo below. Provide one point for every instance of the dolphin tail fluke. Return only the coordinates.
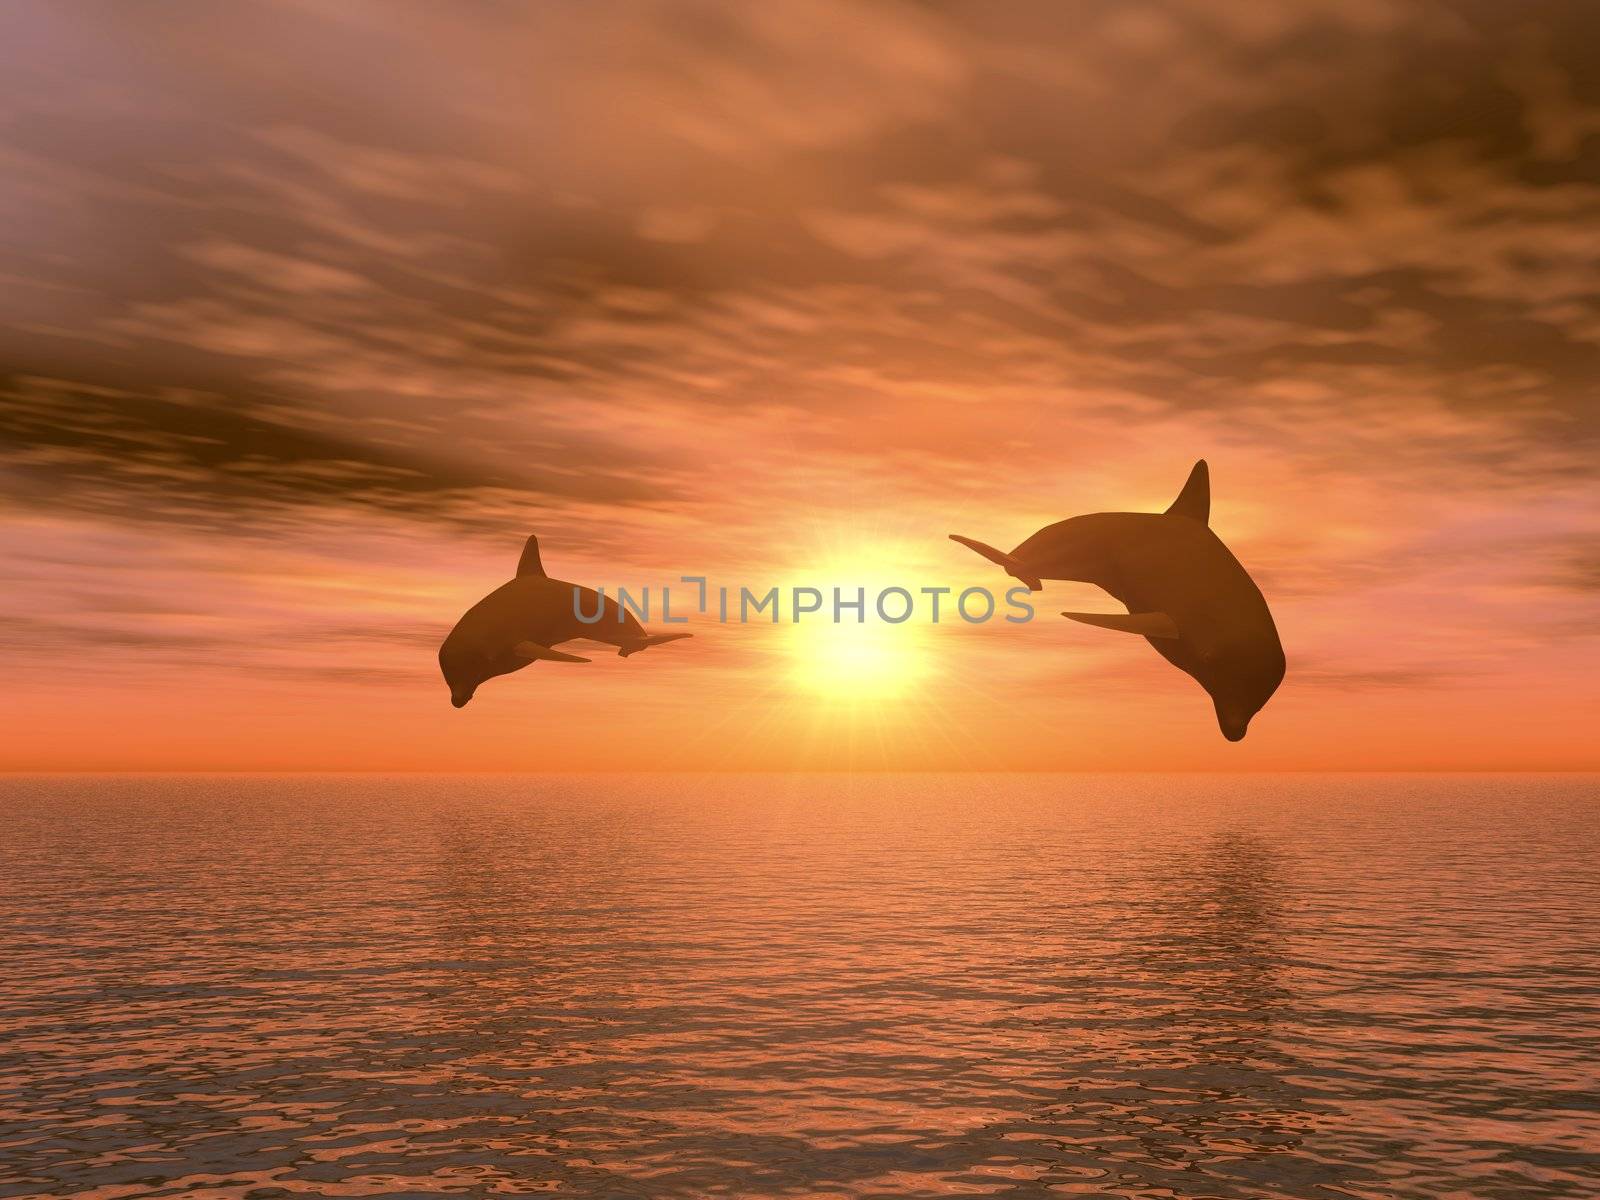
(1146, 624)
(1013, 565)
(535, 651)
(655, 639)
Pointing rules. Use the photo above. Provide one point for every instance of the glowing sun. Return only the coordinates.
(852, 662)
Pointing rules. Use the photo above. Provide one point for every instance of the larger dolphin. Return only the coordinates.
(1184, 590)
(520, 621)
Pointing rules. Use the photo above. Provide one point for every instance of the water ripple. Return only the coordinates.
(1252, 987)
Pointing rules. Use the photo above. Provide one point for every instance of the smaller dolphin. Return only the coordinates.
(1184, 590)
(520, 621)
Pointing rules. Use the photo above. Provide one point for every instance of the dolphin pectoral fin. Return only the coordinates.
(1013, 565)
(655, 639)
(1194, 501)
(535, 651)
(1148, 624)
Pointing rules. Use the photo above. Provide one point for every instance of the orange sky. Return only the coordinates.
(313, 312)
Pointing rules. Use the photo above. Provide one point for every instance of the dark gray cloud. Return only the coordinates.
(343, 199)
(212, 461)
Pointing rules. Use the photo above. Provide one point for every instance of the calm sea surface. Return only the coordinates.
(1306, 986)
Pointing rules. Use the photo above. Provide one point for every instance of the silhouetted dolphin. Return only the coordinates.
(520, 621)
(1184, 590)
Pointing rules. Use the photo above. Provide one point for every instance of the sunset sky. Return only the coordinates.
(312, 312)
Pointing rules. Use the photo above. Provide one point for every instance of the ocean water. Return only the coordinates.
(1122, 986)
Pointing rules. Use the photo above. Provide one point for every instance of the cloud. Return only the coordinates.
(203, 460)
(703, 285)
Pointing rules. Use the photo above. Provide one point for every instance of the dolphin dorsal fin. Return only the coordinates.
(1194, 501)
(529, 563)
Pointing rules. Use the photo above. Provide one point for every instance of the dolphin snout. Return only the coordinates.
(459, 699)
(1233, 726)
